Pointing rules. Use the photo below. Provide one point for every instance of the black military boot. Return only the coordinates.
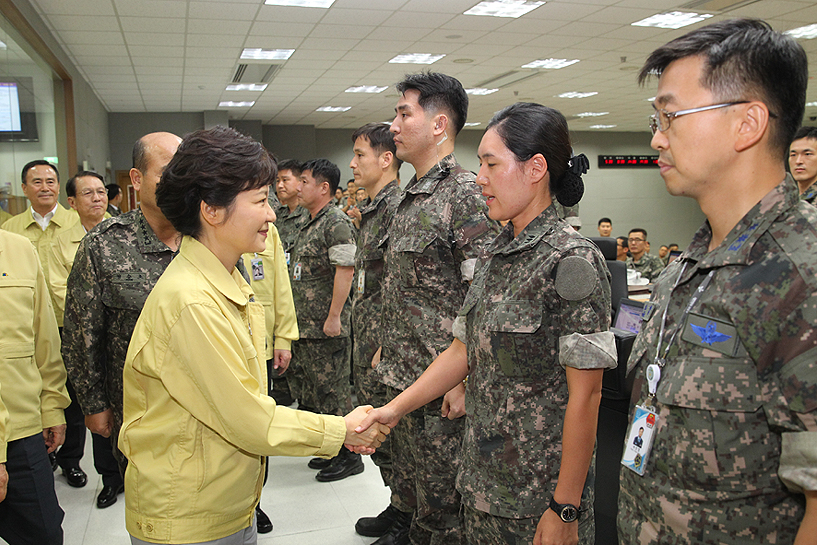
(343, 465)
(398, 534)
(379, 525)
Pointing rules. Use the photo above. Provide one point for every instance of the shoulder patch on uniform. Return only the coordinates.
(576, 278)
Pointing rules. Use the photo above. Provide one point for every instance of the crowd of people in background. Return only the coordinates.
(463, 314)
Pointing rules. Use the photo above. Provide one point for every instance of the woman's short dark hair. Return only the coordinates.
(211, 166)
(527, 129)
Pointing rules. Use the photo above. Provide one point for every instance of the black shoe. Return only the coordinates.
(52, 457)
(398, 534)
(319, 463)
(343, 465)
(263, 524)
(282, 398)
(108, 495)
(379, 525)
(75, 477)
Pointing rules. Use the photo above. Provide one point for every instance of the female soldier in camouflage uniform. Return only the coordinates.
(532, 337)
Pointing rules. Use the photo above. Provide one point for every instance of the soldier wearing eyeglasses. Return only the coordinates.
(726, 355)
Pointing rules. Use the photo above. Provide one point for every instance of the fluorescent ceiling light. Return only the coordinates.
(472, 124)
(807, 32)
(301, 3)
(591, 114)
(480, 91)
(673, 19)
(651, 99)
(366, 89)
(550, 64)
(503, 8)
(811, 104)
(246, 87)
(333, 109)
(258, 54)
(3, 45)
(231, 104)
(574, 94)
(416, 58)
(602, 126)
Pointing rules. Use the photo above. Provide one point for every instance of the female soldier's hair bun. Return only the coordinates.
(570, 187)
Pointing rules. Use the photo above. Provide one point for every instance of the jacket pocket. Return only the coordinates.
(519, 351)
(418, 263)
(711, 384)
(127, 291)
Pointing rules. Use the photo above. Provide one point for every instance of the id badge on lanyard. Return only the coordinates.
(641, 431)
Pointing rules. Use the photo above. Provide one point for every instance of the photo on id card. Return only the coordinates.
(639, 439)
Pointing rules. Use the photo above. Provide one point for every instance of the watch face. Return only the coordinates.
(569, 513)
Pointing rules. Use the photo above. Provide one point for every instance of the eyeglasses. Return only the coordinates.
(89, 192)
(662, 119)
(636, 240)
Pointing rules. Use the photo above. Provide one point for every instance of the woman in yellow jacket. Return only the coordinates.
(197, 420)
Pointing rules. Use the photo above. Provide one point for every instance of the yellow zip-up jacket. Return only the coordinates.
(31, 369)
(196, 423)
(63, 250)
(274, 292)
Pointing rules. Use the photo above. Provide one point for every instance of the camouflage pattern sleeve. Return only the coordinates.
(84, 333)
(472, 230)
(340, 240)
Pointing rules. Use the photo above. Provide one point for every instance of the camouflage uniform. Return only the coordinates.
(529, 296)
(320, 364)
(650, 266)
(437, 232)
(116, 266)
(289, 225)
(367, 306)
(810, 195)
(731, 452)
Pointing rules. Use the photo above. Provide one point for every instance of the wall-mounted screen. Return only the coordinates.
(18, 122)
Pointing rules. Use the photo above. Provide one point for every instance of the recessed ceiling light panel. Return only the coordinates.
(481, 91)
(503, 8)
(366, 89)
(301, 3)
(416, 58)
(231, 104)
(673, 19)
(602, 126)
(473, 124)
(592, 114)
(334, 109)
(574, 94)
(810, 104)
(246, 87)
(258, 54)
(807, 32)
(550, 64)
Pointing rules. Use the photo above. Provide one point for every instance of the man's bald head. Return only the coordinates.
(149, 145)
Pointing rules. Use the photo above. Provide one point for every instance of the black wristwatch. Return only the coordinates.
(566, 511)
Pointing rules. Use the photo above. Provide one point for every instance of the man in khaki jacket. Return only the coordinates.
(32, 378)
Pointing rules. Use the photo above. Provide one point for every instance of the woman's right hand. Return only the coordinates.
(367, 439)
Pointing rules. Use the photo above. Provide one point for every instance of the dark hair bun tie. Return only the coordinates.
(571, 187)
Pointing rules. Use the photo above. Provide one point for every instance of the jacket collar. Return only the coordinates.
(389, 189)
(146, 239)
(428, 183)
(543, 224)
(737, 246)
(231, 285)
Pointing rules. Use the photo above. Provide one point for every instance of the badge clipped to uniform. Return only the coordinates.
(286, 255)
(257, 268)
(639, 439)
(296, 272)
(361, 281)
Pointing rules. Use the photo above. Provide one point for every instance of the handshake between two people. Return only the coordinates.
(367, 428)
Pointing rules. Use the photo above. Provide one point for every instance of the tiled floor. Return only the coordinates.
(303, 511)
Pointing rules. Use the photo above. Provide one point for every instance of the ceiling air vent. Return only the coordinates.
(255, 73)
(502, 80)
(716, 5)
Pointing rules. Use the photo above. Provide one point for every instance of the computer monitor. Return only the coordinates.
(629, 315)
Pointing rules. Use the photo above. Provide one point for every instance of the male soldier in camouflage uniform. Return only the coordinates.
(322, 266)
(648, 265)
(803, 162)
(375, 168)
(115, 268)
(288, 222)
(731, 322)
(436, 234)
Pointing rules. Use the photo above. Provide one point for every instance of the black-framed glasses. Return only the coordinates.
(662, 119)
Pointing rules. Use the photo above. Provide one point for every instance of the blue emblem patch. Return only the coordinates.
(710, 334)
